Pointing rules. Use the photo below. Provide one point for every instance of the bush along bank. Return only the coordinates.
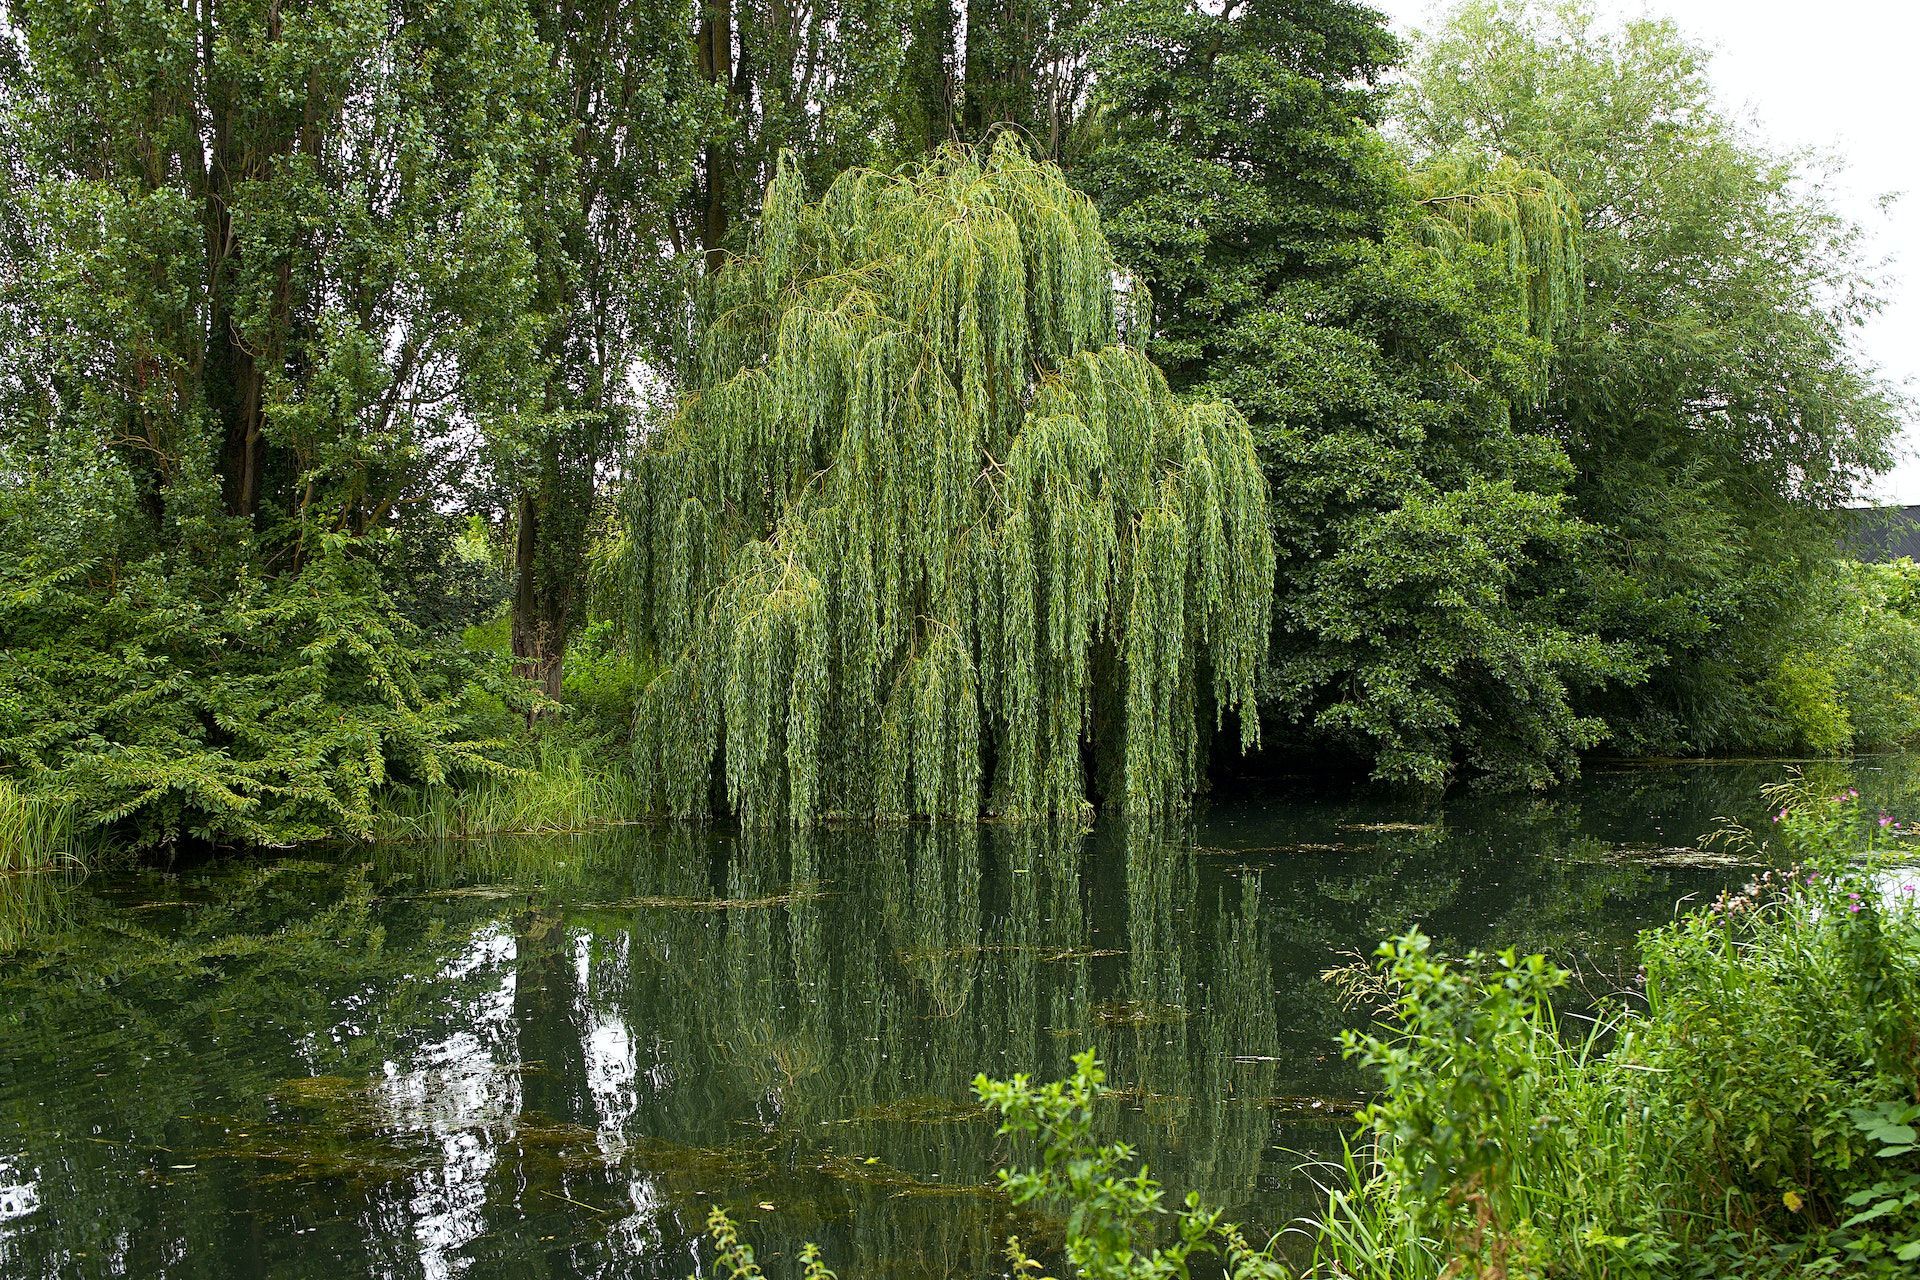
(1750, 1112)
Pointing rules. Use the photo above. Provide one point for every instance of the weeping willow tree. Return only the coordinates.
(1526, 215)
(926, 538)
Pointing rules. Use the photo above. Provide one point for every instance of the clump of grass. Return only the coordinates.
(36, 834)
(563, 790)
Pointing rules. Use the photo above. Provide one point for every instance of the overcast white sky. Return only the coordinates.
(1837, 75)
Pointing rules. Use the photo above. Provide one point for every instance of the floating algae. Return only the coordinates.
(918, 1110)
(798, 893)
(1685, 856)
(1293, 848)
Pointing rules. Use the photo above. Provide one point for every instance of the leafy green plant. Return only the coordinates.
(1890, 1124)
(1113, 1208)
(1115, 1212)
(1752, 1112)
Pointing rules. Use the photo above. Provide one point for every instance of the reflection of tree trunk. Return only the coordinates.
(552, 1058)
(544, 1000)
(541, 608)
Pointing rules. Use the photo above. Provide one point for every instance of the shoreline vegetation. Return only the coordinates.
(1036, 458)
(564, 791)
(1749, 1109)
(36, 833)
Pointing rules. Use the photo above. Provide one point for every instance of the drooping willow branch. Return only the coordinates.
(925, 539)
(1527, 216)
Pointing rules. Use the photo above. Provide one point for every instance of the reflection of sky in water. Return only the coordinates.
(607, 1044)
(1899, 886)
(19, 1194)
(19, 1197)
(613, 1084)
(462, 1092)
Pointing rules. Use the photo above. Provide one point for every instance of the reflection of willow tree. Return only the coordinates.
(821, 1026)
(467, 1043)
(931, 901)
(1198, 996)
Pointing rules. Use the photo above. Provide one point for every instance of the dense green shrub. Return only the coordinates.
(166, 699)
(1850, 676)
(1752, 1115)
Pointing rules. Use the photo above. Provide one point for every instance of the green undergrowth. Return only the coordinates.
(562, 789)
(1750, 1113)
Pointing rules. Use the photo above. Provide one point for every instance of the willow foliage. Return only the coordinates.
(1526, 215)
(926, 537)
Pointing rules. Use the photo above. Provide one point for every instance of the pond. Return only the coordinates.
(550, 1056)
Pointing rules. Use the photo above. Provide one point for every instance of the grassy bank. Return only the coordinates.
(562, 790)
(1750, 1112)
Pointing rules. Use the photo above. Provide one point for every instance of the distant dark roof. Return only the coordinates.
(1882, 533)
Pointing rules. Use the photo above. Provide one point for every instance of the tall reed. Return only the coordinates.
(35, 833)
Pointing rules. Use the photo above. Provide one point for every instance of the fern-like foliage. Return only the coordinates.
(163, 701)
(926, 537)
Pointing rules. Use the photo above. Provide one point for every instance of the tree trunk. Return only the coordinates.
(716, 64)
(541, 609)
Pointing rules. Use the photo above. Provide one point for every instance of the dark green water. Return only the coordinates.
(549, 1057)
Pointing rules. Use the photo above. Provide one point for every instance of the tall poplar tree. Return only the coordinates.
(252, 243)
(927, 538)
(820, 80)
(627, 109)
